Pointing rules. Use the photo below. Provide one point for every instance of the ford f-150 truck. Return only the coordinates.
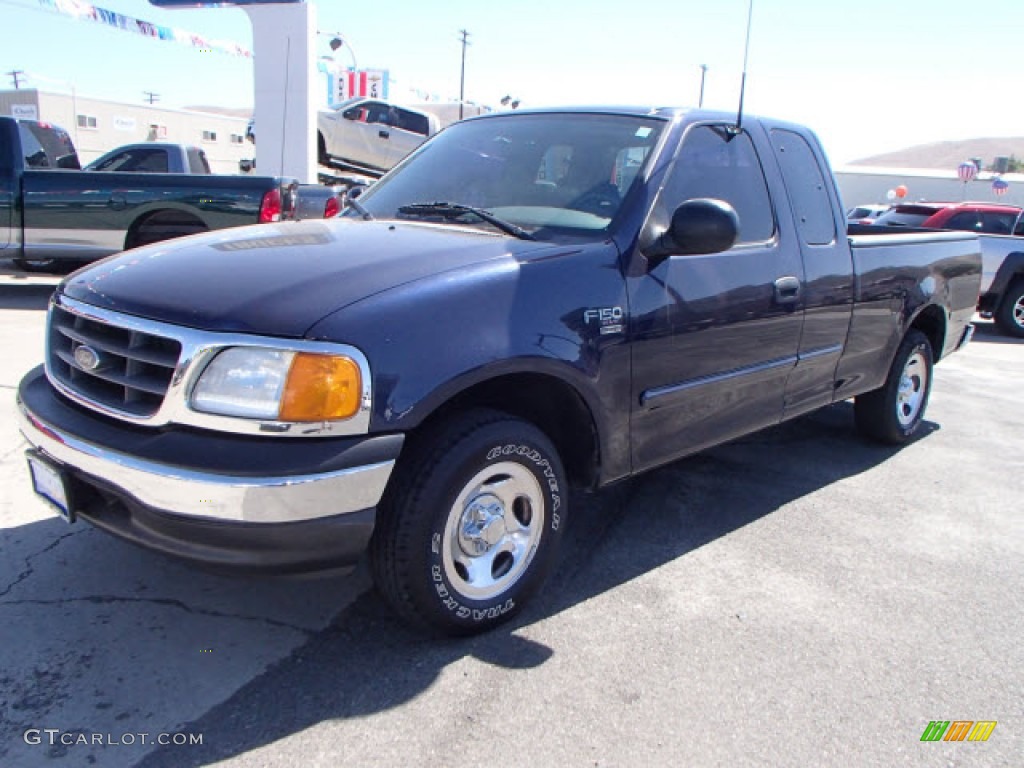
(52, 212)
(530, 301)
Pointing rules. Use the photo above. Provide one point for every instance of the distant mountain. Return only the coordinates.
(947, 155)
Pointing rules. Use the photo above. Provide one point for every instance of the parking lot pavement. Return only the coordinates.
(799, 597)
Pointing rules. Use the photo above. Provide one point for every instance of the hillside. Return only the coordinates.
(946, 155)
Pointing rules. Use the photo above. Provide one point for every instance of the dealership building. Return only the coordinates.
(97, 126)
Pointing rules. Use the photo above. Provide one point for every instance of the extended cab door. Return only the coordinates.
(828, 270)
(363, 136)
(715, 336)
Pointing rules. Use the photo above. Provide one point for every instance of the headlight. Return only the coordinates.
(282, 385)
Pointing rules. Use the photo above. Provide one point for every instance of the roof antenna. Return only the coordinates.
(743, 79)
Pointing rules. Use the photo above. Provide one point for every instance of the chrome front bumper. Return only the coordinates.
(203, 495)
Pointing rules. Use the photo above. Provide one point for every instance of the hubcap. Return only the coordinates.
(913, 385)
(493, 530)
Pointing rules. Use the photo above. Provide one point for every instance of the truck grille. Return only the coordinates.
(116, 368)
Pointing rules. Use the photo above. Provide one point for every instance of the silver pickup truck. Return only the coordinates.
(1002, 282)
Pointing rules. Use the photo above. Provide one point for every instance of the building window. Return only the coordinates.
(209, 135)
(237, 138)
(87, 121)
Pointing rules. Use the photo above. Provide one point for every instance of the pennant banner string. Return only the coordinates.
(87, 12)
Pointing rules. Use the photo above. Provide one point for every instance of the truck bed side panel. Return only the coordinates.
(896, 277)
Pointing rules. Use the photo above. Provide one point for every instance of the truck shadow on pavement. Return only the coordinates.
(366, 662)
(987, 332)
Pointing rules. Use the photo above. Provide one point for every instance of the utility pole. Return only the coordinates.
(703, 73)
(151, 97)
(14, 74)
(462, 77)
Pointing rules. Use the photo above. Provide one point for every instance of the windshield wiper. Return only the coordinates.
(353, 203)
(453, 210)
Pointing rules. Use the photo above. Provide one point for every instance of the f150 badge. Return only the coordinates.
(608, 318)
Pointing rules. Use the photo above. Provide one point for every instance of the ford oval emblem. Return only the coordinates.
(88, 359)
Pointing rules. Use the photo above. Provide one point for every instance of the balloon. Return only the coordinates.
(890, 195)
(901, 191)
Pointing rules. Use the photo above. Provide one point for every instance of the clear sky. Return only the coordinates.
(867, 77)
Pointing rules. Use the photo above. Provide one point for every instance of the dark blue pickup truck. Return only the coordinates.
(528, 302)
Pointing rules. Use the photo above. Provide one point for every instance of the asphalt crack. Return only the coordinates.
(168, 602)
(29, 568)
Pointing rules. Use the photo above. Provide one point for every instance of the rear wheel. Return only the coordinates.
(471, 528)
(893, 412)
(1010, 315)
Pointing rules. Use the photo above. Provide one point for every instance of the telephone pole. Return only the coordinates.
(14, 74)
(703, 73)
(151, 97)
(462, 76)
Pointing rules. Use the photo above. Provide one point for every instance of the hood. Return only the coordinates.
(280, 279)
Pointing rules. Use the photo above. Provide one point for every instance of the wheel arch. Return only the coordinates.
(931, 321)
(164, 215)
(547, 401)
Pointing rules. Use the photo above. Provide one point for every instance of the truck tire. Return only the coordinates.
(1010, 315)
(470, 528)
(893, 412)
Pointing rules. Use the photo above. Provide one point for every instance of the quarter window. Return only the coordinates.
(806, 186)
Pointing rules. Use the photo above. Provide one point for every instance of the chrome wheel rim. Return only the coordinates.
(911, 392)
(1018, 311)
(493, 530)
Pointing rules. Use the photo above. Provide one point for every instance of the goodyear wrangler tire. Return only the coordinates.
(893, 412)
(471, 527)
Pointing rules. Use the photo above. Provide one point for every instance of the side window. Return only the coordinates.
(998, 223)
(35, 155)
(151, 161)
(413, 122)
(1019, 229)
(806, 186)
(714, 164)
(197, 161)
(968, 221)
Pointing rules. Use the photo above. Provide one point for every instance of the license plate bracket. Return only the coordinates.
(50, 482)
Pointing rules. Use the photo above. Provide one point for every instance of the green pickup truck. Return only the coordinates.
(51, 211)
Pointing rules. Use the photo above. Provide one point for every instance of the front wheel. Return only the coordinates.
(893, 412)
(1010, 315)
(471, 528)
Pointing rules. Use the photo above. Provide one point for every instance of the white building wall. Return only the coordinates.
(861, 185)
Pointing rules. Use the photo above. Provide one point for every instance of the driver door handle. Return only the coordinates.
(787, 290)
(384, 134)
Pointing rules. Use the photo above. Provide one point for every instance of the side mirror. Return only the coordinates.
(350, 114)
(698, 226)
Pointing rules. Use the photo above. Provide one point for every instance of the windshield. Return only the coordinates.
(550, 175)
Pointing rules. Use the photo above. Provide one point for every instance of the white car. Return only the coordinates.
(371, 135)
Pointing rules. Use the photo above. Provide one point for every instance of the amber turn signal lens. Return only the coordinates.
(321, 388)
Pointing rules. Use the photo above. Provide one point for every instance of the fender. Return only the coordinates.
(1011, 268)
